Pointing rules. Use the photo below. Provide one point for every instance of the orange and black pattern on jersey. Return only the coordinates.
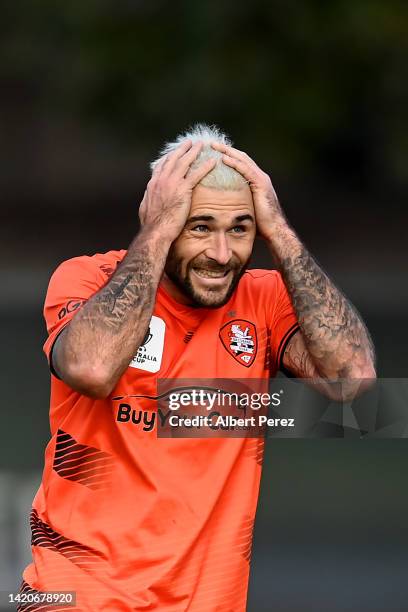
(43, 535)
(245, 540)
(31, 606)
(83, 464)
(255, 450)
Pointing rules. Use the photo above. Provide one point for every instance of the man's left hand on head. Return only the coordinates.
(268, 211)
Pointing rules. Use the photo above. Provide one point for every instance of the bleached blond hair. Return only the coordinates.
(221, 177)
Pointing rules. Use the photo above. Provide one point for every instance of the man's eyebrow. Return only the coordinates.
(246, 217)
(200, 218)
(238, 219)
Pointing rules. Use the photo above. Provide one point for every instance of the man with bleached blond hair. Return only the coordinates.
(123, 518)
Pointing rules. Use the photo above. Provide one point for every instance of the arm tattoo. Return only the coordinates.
(130, 288)
(334, 333)
(106, 333)
(118, 292)
(297, 358)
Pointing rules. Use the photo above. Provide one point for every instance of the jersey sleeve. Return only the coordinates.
(72, 283)
(284, 323)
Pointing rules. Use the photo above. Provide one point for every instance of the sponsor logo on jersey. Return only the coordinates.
(69, 307)
(150, 352)
(240, 340)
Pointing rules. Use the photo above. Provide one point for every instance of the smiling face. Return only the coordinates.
(209, 257)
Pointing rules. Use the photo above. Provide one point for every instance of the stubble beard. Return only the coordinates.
(206, 298)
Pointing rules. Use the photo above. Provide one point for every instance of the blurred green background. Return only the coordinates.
(317, 93)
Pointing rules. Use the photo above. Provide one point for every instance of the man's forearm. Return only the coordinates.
(335, 334)
(105, 334)
(336, 337)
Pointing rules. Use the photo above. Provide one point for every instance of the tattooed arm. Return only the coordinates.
(97, 346)
(334, 343)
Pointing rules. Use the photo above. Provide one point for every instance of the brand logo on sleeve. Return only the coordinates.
(69, 307)
(239, 339)
(150, 352)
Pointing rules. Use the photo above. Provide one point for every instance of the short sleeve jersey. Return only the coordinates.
(131, 521)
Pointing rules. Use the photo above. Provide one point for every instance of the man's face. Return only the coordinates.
(207, 260)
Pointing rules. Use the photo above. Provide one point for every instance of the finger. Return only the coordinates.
(184, 163)
(173, 157)
(159, 166)
(247, 171)
(197, 175)
(228, 150)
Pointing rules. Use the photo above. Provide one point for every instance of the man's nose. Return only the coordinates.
(219, 250)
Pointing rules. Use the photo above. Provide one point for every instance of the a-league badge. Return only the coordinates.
(239, 339)
(150, 352)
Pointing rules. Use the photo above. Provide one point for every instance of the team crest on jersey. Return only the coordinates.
(239, 339)
(150, 352)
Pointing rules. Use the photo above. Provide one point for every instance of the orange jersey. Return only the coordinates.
(130, 521)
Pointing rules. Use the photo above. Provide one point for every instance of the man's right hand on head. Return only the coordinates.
(167, 199)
